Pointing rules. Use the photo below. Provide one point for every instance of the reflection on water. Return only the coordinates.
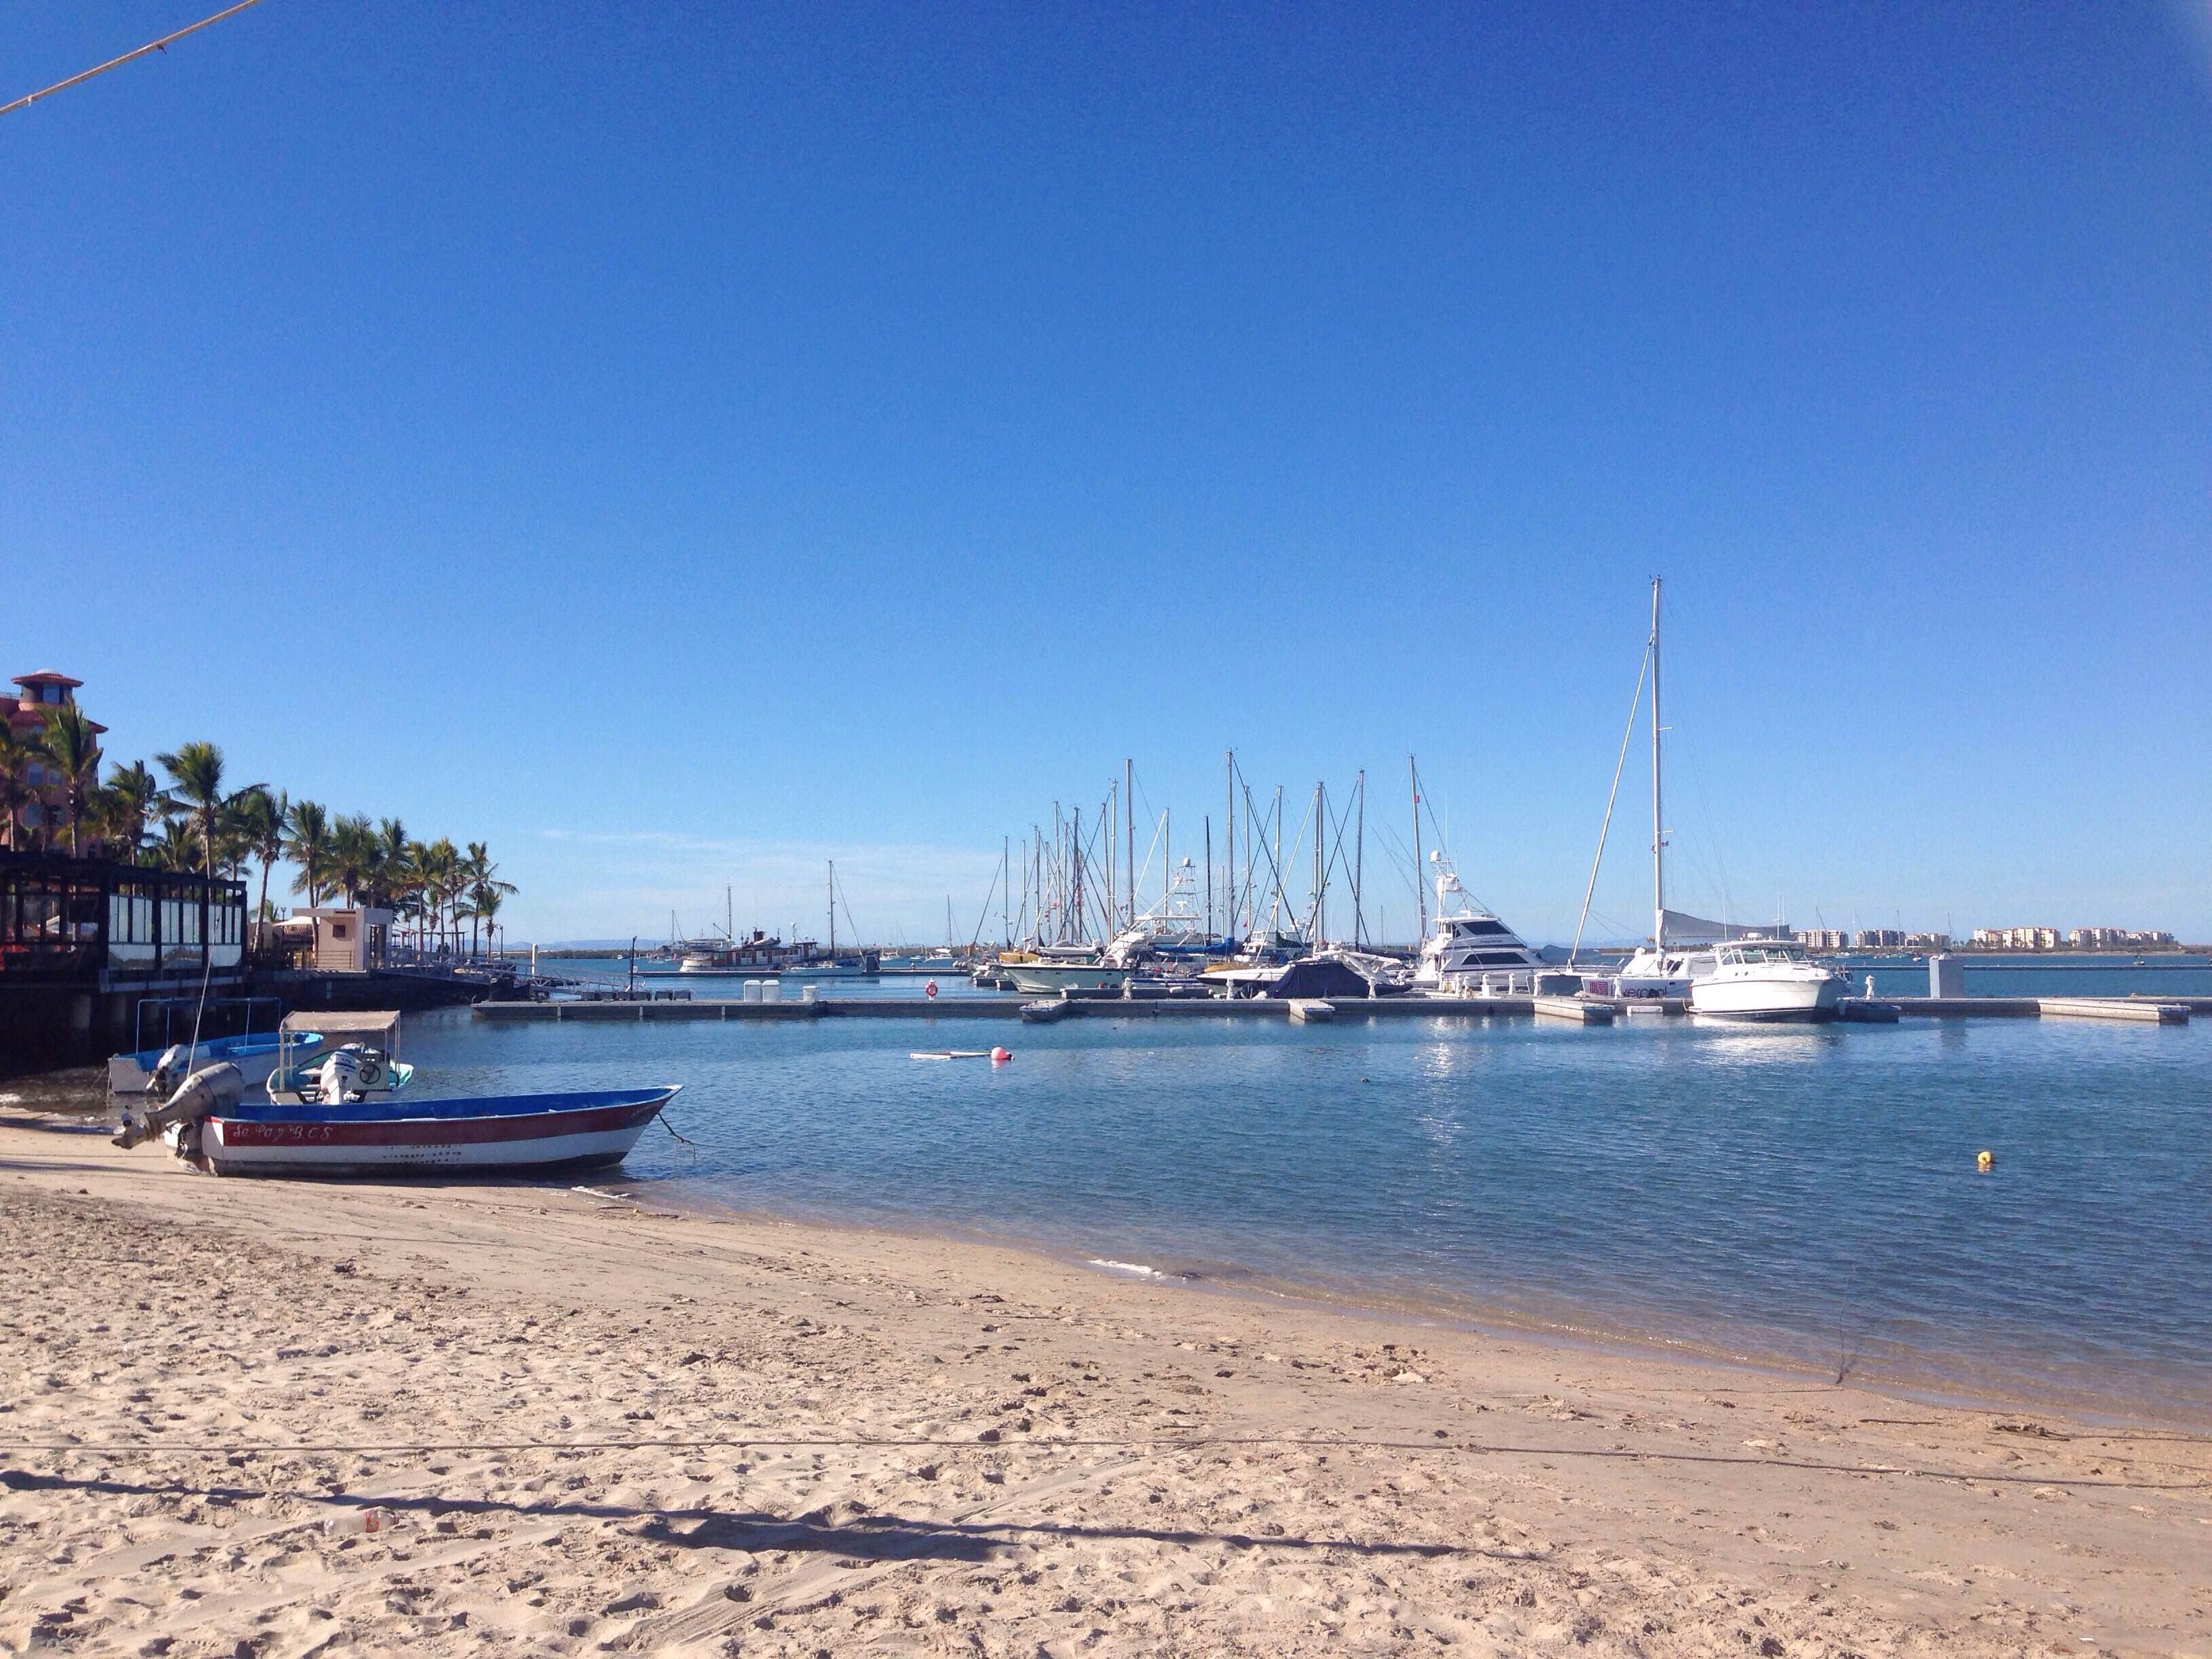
(1807, 1192)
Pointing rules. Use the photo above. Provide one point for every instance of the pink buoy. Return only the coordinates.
(930, 990)
(1000, 1057)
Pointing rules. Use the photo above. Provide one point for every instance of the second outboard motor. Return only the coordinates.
(210, 1089)
(167, 1069)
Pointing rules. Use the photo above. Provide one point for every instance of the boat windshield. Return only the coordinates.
(1767, 951)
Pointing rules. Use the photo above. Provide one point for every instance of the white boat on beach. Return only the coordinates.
(349, 1116)
(1767, 979)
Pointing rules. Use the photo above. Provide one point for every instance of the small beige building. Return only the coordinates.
(346, 941)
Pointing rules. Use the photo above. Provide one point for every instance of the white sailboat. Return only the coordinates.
(1721, 967)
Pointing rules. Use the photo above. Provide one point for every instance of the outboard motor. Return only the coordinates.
(167, 1069)
(341, 1075)
(210, 1089)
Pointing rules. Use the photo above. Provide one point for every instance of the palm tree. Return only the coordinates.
(391, 861)
(481, 877)
(127, 803)
(308, 845)
(195, 772)
(16, 755)
(485, 910)
(73, 755)
(262, 817)
(353, 853)
(178, 847)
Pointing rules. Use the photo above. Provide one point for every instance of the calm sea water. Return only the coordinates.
(1802, 1195)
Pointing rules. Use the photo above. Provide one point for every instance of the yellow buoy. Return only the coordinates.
(1985, 1162)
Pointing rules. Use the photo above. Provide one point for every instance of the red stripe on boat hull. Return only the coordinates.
(435, 1132)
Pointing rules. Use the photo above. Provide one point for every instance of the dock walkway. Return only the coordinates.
(2164, 1010)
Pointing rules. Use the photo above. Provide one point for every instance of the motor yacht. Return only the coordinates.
(1766, 979)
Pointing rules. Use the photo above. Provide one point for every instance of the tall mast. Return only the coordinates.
(1658, 832)
(1420, 880)
(1320, 873)
(1106, 834)
(1167, 864)
(1359, 867)
(1209, 875)
(1005, 898)
(833, 907)
(1129, 828)
(1276, 915)
(1229, 889)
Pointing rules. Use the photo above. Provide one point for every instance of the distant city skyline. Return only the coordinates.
(681, 450)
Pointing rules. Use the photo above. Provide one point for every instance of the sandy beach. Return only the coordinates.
(596, 1427)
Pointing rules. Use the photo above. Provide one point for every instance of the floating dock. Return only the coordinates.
(1582, 1010)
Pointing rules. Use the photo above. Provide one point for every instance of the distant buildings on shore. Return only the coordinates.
(2079, 939)
(1987, 938)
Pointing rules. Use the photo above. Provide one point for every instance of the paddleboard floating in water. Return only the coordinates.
(952, 1054)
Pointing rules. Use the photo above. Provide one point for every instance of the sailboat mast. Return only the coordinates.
(1106, 834)
(1229, 854)
(1420, 881)
(1005, 898)
(1167, 863)
(1658, 830)
(1275, 916)
(1320, 874)
(1129, 829)
(1359, 867)
(1209, 875)
(833, 907)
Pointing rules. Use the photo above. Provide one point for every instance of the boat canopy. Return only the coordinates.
(367, 1023)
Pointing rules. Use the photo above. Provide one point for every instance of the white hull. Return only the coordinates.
(1049, 978)
(599, 1146)
(1791, 997)
(125, 1076)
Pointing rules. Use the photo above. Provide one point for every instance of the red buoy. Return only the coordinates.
(1000, 1057)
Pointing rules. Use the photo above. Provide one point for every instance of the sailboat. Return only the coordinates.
(1723, 969)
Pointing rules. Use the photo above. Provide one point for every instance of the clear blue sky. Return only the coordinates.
(676, 443)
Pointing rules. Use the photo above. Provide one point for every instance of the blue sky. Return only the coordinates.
(679, 444)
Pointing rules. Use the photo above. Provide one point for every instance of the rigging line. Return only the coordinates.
(975, 938)
(1634, 703)
(30, 98)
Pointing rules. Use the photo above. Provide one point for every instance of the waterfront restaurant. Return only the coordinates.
(90, 923)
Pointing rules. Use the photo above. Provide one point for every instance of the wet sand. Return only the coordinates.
(596, 1426)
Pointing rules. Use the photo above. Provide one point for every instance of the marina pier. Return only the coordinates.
(2158, 1010)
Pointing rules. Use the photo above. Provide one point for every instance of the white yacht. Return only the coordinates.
(1051, 978)
(1766, 979)
(1173, 927)
(1471, 952)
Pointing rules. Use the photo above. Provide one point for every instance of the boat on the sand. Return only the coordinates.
(353, 1115)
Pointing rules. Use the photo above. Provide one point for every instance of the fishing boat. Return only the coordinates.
(325, 1123)
(1767, 979)
(160, 1067)
(366, 1064)
(1049, 978)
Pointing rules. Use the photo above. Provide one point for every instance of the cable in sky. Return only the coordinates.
(28, 99)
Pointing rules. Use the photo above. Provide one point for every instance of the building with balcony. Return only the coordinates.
(37, 696)
(1824, 939)
(1882, 939)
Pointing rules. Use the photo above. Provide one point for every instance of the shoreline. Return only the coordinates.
(1565, 1325)
(1907, 1377)
(603, 1426)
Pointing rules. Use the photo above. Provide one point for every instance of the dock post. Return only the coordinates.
(1946, 975)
